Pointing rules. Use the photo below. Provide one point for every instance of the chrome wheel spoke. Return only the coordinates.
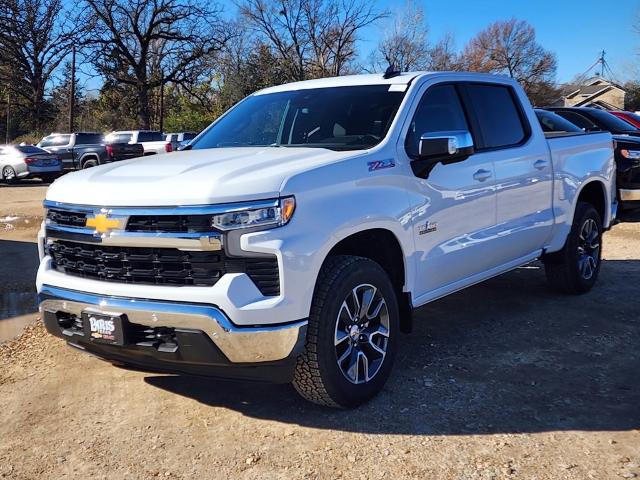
(368, 295)
(345, 355)
(341, 336)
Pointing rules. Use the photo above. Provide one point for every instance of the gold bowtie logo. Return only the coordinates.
(102, 223)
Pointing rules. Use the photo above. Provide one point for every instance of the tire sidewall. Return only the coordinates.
(341, 390)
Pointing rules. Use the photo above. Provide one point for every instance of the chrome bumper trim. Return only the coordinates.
(629, 195)
(239, 344)
(138, 239)
(177, 210)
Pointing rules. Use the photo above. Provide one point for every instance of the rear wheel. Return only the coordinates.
(48, 178)
(575, 268)
(8, 174)
(352, 334)
(89, 163)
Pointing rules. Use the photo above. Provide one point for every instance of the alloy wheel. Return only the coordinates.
(362, 334)
(588, 249)
(8, 173)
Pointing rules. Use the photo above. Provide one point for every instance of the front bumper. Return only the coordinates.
(203, 334)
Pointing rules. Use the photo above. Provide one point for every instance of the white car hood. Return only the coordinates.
(193, 177)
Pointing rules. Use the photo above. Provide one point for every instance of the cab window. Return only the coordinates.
(439, 110)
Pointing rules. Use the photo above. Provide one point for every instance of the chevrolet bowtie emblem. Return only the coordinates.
(102, 223)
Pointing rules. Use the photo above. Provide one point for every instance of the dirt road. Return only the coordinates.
(503, 380)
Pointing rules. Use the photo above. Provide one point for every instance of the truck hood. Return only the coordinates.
(193, 177)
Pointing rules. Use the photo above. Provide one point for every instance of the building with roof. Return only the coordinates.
(596, 92)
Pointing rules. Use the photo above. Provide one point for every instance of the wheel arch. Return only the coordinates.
(594, 193)
(383, 247)
(89, 156)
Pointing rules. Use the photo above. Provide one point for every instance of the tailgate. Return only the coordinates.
(127, 150)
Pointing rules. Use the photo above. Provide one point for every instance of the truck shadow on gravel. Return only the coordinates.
(505, 356)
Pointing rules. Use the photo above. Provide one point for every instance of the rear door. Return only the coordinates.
(523, 170)
(454, 205)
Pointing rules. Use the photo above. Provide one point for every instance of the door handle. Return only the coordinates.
(541, 164)
(481, 175)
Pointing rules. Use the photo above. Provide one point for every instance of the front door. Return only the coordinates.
(454, 206)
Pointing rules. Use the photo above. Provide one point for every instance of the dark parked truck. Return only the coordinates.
(88, 149)
(627, 151)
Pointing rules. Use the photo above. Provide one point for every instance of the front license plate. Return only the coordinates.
(104, 328)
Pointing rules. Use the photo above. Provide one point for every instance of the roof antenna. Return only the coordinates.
(391, 72)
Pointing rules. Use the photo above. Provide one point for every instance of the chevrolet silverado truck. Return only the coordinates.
(87, 149)
(294, 237)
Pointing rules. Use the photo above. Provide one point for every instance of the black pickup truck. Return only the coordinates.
(88, 149)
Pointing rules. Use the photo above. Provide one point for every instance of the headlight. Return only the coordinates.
(631, 154)
(264, 216)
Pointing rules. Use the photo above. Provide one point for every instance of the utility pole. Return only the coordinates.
(162, 102)
(6, 135)
(602, 63)
(72, 91)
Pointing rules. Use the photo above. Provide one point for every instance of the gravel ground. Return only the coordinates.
(503, 380)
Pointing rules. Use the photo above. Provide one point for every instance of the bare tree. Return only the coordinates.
(443, 55)
(35, 37)
(311, 38)
(405, 44)
(145, 43)
(510, 47)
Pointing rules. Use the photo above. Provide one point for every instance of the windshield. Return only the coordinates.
(337, 118)
(610, 122)
(55, 141)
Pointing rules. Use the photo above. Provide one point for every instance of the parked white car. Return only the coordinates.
(152, 142)
(295, 236)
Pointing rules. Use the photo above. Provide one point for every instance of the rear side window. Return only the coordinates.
(439, 110)
(119, 137)
(150, 137)
(550, 122)
(578, 120)
(498, 115)
(88, 139)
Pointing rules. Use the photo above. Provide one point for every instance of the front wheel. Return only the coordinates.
(575, 268)
(352, 334)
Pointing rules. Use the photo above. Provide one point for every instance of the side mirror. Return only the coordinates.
(446, 147)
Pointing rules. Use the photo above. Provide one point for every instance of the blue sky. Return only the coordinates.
(576, 30)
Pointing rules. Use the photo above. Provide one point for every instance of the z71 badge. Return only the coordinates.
(380, 164)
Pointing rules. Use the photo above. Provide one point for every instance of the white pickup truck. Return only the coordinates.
(294, 238)
(152, 142)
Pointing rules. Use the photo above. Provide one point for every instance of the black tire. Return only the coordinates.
(9, 174)
(566, 270)
(89, 163)
(318, 377)
(48, 178)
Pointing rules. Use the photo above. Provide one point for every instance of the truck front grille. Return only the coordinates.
(160, 266)
(67, 219)
(170, 223)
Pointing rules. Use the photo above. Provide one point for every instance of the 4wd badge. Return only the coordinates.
(428, 228)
